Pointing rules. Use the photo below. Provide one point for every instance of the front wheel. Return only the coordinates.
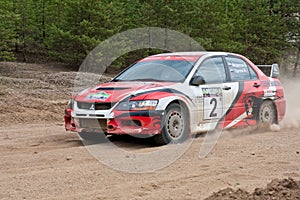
(175, 127)
(267, 113)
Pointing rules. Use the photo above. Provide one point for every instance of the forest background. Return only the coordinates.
(65, 31)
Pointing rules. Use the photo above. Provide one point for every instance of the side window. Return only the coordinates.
(212, 70)
(252, 73)
(238, 69)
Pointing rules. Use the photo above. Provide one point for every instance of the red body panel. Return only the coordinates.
(135, 125)
(69, 121)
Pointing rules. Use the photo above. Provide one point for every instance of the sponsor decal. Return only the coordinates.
(212, 92)
(269, 93)
(251, 105)
(102, 96)
(198, 99)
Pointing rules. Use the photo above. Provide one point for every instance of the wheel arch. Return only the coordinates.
(274, 106)
(164, 138)
(184, 105)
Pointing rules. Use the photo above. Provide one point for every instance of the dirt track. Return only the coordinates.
(39, 160)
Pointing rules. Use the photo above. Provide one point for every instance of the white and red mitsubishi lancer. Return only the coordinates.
(169, 96)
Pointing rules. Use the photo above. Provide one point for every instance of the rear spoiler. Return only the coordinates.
(270, 70)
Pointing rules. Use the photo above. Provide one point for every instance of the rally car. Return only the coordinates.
(172, 95)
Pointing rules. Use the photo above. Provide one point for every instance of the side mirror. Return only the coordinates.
(197, 80)
(275, 71)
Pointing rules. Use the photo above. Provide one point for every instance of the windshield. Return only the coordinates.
(157, 70)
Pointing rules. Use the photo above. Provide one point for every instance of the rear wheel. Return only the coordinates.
(175, 128)
(267, 113)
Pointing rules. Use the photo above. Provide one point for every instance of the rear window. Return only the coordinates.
(239, 70)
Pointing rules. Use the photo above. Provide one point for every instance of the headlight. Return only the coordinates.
(70, 103)
(138, 105)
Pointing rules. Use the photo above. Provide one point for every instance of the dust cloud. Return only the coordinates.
(292, 94)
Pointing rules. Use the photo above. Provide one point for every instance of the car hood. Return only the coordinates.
(118, 91)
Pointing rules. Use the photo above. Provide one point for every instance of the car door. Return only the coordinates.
(211, 94)
(246, 92)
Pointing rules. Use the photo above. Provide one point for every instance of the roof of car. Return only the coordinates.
(191, 53)
(187, 55)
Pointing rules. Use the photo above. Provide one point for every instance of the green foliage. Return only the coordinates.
(291, 11)
(67, 47)
(7, 31)
(67, 30)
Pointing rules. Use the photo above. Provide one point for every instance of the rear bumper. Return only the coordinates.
(281, 108)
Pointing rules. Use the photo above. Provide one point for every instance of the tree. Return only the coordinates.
(7, 31)
(290, 10)
(67, 30)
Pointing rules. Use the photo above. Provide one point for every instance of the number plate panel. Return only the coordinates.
(212, 103)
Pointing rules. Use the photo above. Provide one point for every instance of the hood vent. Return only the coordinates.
(112, 88)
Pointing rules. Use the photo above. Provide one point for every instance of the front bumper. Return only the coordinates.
(123, 122)
(141, 122)
(69, 120)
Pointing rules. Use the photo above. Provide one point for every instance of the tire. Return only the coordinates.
(92, 137)
(175, 128)
(267, 113)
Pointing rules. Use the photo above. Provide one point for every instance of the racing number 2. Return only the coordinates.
(212, 107)
(213, 113)
(212, 103)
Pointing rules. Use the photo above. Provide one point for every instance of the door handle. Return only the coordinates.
(256, 85)
(226, 88)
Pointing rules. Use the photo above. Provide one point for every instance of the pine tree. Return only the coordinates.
(7, 31)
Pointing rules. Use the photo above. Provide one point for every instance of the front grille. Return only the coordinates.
(93, 123)
(95, 105)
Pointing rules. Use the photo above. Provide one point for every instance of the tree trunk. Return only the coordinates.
(297, 61)
(43, 20)
(58, 13)
(16, 25)
(24, 21)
